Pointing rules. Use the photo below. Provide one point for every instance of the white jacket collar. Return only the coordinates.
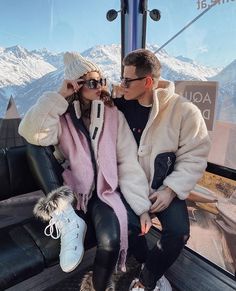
(94, 109)
(77, 109)
(164, 91)
(96, 122)
(161, 95)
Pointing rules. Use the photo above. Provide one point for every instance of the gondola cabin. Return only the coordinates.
(195, 43)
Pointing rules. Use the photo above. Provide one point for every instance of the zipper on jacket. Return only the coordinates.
(95, 132)
(99, 111)
(168, 165)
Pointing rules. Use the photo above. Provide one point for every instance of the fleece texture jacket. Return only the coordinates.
(41, 126)
(175, 125)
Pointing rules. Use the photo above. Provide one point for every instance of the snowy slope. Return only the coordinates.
(227, 93)
(19, 66)
(41, 70)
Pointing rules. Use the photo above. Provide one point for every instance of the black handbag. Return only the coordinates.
(163, 166)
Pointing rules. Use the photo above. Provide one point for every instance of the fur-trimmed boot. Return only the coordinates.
(57, 208)
(87, 283)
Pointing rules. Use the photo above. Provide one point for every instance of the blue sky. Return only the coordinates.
(61, 25)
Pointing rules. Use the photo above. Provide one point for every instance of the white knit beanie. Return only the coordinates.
(75, 66)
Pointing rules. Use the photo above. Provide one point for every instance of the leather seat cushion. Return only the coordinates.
(20, 258)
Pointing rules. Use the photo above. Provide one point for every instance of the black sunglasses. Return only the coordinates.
(126, 82)
(93, 84)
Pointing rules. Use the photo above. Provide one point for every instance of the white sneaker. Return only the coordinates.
(71, 229)
(163, 285)
(133, 283)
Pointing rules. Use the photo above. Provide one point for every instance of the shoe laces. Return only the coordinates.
(160, 284)
(54, 225)
(162, 281)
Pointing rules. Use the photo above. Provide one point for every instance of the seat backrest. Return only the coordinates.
(15, 175)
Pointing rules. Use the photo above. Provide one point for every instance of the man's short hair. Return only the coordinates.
(145, 61)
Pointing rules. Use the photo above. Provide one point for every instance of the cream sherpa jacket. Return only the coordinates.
(41, 126)
(175, 125)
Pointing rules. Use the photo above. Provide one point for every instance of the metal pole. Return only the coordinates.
(133, 25)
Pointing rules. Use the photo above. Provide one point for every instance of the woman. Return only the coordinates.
(97, 150)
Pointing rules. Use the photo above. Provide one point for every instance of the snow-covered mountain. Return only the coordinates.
(226, 108)
(19, 66)
(27, 83)
(55, 59)
(108, 57)
(31, 92)
(181, 68)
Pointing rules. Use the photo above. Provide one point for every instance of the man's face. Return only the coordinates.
(136, 89)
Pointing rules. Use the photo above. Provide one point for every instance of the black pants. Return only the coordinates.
(175, 233)
(100, 217)
(107, 231)
(174, 220)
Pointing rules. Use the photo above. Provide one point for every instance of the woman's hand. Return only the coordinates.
(70, 87)
(145, 222)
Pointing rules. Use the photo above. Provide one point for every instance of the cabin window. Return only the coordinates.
(201, 61)
(33, 37)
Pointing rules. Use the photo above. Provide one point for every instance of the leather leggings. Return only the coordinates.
(99, 216)
(107, 231)
(44, 167)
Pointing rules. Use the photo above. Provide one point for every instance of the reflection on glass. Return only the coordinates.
(212, 212)
(34, 35)
(204, 51)
(201, 61)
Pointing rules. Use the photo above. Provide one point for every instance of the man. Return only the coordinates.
(173, 146)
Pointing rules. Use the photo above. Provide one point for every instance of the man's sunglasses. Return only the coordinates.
(126, 82)
(93, 84)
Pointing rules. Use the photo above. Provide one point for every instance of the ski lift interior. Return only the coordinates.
(28, 259)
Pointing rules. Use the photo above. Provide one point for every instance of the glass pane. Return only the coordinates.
(33, 37)
(34, 34)
(199, 56)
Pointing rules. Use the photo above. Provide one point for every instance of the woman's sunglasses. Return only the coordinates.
(93, 84)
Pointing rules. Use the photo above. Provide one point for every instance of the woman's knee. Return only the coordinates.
(108, 249)
(109, 242)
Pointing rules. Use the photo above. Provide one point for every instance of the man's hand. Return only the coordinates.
(161, 199)
(145, 222)
(117, 91)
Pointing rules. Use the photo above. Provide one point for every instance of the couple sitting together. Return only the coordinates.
(115, 162)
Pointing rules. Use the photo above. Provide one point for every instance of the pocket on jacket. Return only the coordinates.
(163, 166)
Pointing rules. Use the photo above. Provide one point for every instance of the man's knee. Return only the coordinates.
(176, 239)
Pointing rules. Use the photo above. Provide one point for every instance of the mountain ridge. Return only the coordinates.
(31, 82)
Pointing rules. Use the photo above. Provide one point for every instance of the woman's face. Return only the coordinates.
(91, 94)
